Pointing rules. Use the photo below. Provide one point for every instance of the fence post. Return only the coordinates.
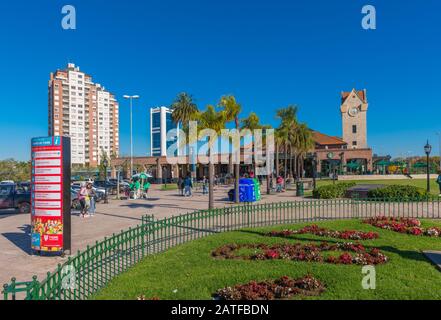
(5, 291)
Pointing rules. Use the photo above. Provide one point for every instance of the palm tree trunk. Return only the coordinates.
(285, 165)
(269, 176)
(290, 162)
(237, 168)
(210, 183)
(236, 181)
(277, 160)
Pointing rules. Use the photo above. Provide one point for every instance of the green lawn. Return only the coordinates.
(189, 272)
(420, 183)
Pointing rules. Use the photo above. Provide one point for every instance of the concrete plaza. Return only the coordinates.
(17, 261)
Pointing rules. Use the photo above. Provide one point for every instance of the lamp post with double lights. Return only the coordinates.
(131, 130)
(427, 150)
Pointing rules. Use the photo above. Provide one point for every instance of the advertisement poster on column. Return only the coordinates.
(50, 214)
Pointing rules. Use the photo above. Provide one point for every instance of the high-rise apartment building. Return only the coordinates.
(85, 112)
(161, 123)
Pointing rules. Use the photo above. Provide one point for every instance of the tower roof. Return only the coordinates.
(360, 93)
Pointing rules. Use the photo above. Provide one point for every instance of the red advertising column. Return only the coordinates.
(50, 214)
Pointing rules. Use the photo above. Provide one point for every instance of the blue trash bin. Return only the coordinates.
(246, 190)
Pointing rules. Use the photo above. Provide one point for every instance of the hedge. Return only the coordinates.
(398, 192)
(332, 191)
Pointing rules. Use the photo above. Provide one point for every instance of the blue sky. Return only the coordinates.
(267, 53)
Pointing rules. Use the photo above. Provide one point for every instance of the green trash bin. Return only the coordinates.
(257, 189)
(300, 190)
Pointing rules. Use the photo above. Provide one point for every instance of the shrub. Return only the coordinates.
(332, 191)
(398, 192)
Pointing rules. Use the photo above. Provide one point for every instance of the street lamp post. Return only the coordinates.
(105, 164)
(117, 186)
(314, 170)
(427, 150)
(131, 130)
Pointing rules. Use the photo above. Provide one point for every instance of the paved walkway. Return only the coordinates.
(16, 259)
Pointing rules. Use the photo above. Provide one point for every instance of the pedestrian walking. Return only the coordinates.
(188, 185)
(204, 185)
(82, 193)
(181, 186)
(92, 199)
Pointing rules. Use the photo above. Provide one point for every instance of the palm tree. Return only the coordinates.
(184, 110)
(231, 111)
(210, 119)
(286, 133)
(305, 143)
(253, 123)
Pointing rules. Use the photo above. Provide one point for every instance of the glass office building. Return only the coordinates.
(161, 123)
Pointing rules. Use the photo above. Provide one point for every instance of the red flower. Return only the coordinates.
(272, 254)
(345, 258)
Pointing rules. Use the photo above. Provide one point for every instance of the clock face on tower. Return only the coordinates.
(353, 111)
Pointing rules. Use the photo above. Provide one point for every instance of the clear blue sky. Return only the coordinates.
(267, 53)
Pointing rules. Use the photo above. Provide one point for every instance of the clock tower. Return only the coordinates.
(353, 110)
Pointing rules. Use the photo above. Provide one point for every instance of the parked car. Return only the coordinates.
(111, 187)
(7, 182)
(13, 196)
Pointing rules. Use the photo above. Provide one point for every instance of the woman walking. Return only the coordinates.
(92, 201)
(82, 194)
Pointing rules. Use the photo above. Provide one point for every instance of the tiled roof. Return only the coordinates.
(323, 139)
(361, 94)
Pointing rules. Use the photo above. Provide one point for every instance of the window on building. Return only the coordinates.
(354, 143)
(354, 129)
(156, 120)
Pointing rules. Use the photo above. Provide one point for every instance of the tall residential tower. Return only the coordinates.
(84, 111)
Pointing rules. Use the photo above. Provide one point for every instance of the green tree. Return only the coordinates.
(184, 110)
(231, 110)
(216, 121)
(288, 135)
(11, 169)
(101, 167)
(252, 122)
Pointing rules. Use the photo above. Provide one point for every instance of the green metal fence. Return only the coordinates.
(88, 271)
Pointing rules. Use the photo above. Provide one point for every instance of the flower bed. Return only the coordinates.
(323, 232)
(403, 225)
(282, 288)
(353, 253)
